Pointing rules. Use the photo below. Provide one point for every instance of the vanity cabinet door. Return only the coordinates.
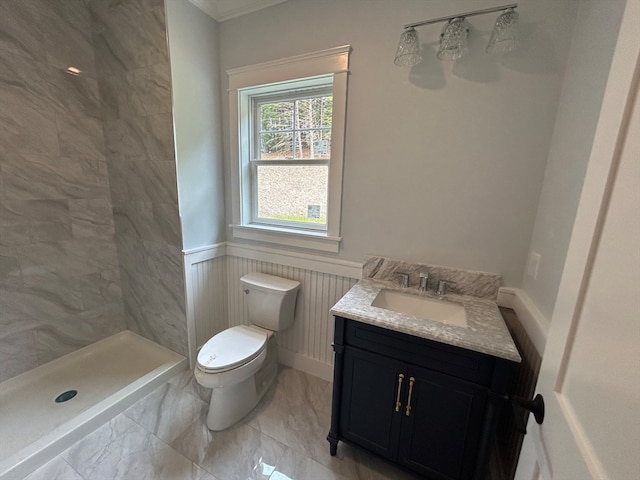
(368, 414)
(425, 408)
(439, 437)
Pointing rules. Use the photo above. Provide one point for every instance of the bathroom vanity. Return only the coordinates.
(425, 394)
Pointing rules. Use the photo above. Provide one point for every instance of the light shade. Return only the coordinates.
(453, 40)
(408, 52)
(504, 36)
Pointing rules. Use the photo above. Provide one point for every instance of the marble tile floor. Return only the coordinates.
(164, 436)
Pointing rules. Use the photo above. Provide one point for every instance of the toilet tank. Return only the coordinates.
(271, 300)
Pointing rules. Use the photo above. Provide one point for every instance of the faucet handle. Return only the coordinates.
(442, 286)
(424, 279)
(404, 279)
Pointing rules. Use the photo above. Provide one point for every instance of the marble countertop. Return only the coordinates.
(486, 331)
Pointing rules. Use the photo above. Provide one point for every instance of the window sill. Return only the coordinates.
(319, 241)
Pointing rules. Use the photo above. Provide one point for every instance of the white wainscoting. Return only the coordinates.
(209, 292)
(215, 299)
(205, 295)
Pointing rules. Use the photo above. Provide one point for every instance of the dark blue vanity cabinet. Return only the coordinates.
(429, 406)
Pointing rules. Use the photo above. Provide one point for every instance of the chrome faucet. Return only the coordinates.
(404, 279)
(424, 280)
(442, 286)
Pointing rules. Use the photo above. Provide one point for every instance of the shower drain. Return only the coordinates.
(65, 396)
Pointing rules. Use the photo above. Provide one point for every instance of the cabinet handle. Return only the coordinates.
(400, 378)
(411, 382)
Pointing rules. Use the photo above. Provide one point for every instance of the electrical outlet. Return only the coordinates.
(534, 263)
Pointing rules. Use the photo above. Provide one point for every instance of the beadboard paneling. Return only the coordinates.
(208, 280)
(215, 301)
(312, 331)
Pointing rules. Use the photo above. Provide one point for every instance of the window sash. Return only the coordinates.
(255, 219)
(258, 100)
(292, 162)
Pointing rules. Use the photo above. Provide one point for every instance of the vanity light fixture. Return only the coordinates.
(504, 36)
(453, 39)
(408, 52)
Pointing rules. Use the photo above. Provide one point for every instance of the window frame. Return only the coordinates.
(303, 72)
(283, 94)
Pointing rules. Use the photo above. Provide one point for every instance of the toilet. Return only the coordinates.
(240, 363)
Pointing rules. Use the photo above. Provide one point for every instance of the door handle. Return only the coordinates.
(400, 378)
(411, 382)
(535, 406)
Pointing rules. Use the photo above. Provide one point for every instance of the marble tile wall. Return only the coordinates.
(90, 240)
(132, 63)
(60, 285)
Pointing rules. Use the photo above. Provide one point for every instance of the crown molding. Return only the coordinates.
(221, 10)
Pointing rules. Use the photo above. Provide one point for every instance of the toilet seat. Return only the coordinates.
(231, 348)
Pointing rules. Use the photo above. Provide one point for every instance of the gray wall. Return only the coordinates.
(588, 66)
(59, 277)
(444, 162)
(135, 85)
(195, 85)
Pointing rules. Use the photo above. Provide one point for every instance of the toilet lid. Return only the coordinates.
(230, 348)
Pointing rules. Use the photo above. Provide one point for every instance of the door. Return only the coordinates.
(442, 420)
(371, 388)
(590, 374)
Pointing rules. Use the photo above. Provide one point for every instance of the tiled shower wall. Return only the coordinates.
(134, 80)
(89, 227)
(59, 275)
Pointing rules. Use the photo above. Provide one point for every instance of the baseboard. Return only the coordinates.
(305, 364)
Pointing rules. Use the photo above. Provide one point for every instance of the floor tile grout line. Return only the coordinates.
(186, 389)
(300, 452)
(197, 418)
(71, 466)
(177, 451)
(275, 466)
(167, 444)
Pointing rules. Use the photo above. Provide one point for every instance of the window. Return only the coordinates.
(291, 140)
(287, 123)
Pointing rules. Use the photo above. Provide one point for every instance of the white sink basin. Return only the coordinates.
(421, 307)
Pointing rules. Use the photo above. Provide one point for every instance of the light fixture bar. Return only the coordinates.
(468, 14)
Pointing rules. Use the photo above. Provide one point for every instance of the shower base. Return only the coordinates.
(109, 376)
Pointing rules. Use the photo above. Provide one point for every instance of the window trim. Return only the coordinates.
(303, 69)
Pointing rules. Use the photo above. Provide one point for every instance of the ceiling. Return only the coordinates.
(221, 10)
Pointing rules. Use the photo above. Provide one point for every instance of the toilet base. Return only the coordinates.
(231, 403)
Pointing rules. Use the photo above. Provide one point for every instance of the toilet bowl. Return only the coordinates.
(240, 363)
